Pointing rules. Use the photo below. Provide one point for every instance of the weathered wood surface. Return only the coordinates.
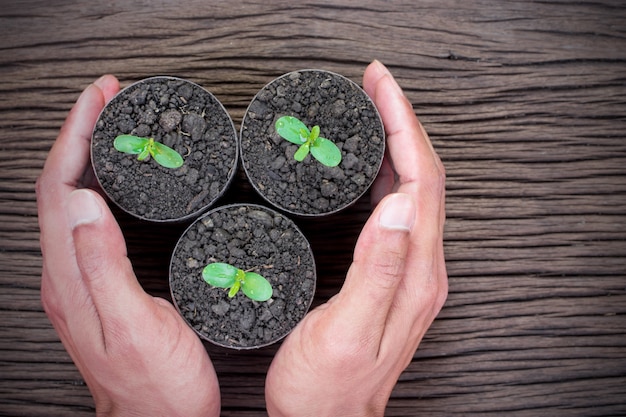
(526, 104)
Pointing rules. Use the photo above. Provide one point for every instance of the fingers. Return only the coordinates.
(417, 166)
(109, 85)
(379, 265)
(66, 163)
(64, 294)
(106, 270)
(384, 182)
(410, 150)
(69, 156)
(417, 171)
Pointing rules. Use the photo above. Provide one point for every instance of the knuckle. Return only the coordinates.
(122, 340)
(347, 355)
(388, 269)
(441, 166)
(40, 185)
(436, 181)
(50, 307)
(119, 344)
(337, 353)
(442, 294)
(433, 295)
(49, 302)
(93, 263)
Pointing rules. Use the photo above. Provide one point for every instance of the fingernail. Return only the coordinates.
(398, 212)
(100, 81)
(380, 65)
(82, 208)
(382, 68)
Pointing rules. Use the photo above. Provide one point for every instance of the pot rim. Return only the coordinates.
(286, 209)
(198, 212)
(274, 212)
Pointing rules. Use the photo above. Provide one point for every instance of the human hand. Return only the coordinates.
(135, 352)
(345, 357)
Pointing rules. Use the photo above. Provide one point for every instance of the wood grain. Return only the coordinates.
(525, 101)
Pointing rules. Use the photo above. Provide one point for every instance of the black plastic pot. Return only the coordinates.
(252, 238)
(345, 115)
(183, 116)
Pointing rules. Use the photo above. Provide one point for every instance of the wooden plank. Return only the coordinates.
(525, 101)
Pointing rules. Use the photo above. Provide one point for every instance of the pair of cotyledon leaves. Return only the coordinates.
(146, 147)
(288, 127)
(223, 275)
(296, 132)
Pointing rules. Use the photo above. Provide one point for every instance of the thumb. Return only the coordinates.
(364, 302)
(101, 256)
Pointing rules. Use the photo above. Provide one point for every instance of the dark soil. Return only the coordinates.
(345, 115)
(183, 116)
(250, 237)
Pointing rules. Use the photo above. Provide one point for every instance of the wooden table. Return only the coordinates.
(526, 104)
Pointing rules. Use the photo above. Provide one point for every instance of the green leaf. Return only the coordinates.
(166, 156)
(144, 154)
(163, 154)
(234, 289)
(315, 132)
(130, 144)
(220, 275)
(256, 287)
(326, 152)
(291, 128)
(302, 152)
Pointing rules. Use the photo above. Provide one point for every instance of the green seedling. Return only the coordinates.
(146, 147)
(223, 275)
(322, 149)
